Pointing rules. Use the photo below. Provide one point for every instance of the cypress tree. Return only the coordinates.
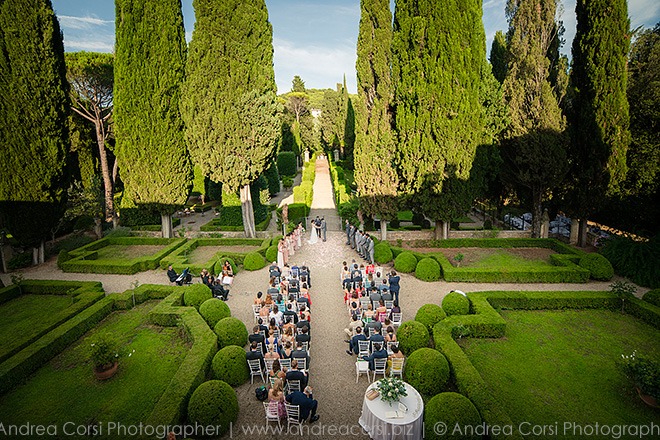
(150, 54)
(332, 118)
(498, 56)
(599, 119)
(229, 106)
(439, 63)
(375, 174)
(34, 111)
(535, 147)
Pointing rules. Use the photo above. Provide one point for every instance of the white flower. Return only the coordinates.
(390, 394)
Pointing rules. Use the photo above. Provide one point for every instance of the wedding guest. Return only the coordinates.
(353, 344)
(378, 353)
(295, 374)
(276, 395)
(306, 403)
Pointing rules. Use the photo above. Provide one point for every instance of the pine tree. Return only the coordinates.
(150, 54)
(229, 106)
(599, 121)
(535, 149)
(298, 85)
(34, 109)
(498, 56)
(439, 63)
(375, 174)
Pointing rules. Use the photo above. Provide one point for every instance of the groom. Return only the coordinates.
(324, 227)
(317, 222)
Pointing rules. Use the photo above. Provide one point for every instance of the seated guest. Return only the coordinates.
(295, 374)
(353, 326)
(306, 273)
(276, 395)
(263, 327)
(386, 295)
(257, 337)
(383, 285)
(289, 315)
(269, 300)
(287, 335)
(272, 326)
(354, 346)
(373, 326)
(368, 314)
(299, 352)
(396, 354)
(304, 294)
(375, 296)
(227, 270)
(304, 314)
(395, 308)
(254, 354)
(304, 336)
(257, 299)
(390, 336)
(378, 353)
(265, 310)
(219, 291)
(287, 351)
(276, 315)
(376, 338)
(171, 274)
(276, 372)
(272, 353)
(279, 302)
(381, 311)
(206, 277)
(274, 270)
(306, 403)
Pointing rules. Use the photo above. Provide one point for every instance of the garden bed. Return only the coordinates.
(494, 258)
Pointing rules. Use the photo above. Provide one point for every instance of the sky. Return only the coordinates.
(315, 39)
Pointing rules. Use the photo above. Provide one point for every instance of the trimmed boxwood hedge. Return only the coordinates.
(254, 261)
(405, 262)
(179, 258)
(213, 310)
(455, 304)
(213, 404)
(271, 254)
(230, 365)
(428, 269)
(427, 370)
(451, 409)
(196, 294)
(430, 315)
(231, 331)
(382, 253)
(412, 335)
(600, 267)
(652, 297)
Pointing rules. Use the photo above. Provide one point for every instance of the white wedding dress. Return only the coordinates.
(313, 238)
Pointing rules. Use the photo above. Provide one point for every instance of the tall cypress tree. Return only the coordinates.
(599, 121)
(150, 57)
(439, 63)
(375, 174)
(229, 106)
(498, 56)
(34, 110)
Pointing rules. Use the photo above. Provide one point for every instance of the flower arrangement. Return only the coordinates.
(391, 389)
(643, 371)
(104, 353)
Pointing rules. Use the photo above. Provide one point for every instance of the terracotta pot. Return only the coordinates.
(107, 373)
(648, 399)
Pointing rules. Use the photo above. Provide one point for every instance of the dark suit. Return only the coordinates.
(300, 354)
(386, 296)
(303, 338)
(307, 404)
(292, 314)
(377, 339)
(302, 323)
(297, 375)
(172, 275)
(259, 339)
(355, 347)
(380, 354)
(252, 355)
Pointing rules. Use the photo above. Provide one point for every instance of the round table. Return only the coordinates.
(374, 418)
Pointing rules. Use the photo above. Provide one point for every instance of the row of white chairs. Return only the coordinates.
(380, 367)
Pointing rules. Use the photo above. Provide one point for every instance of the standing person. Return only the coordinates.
(324, 227)
(300, 234)
(394, 285)
(348, 232)
(317, 222)
(280, 253)
(353, 232)
(370, 249)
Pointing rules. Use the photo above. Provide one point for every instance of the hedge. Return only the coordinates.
(271, 253)
(179, 258)
(430, 315)
(231, 331)
(635, 260)
(428, 269)
(217, 269)
(652, 297)
(455, 303)
(254, 261)
(405, 262)
(427, 370)
(412, 335)
(599, 267)
(230, 365)
(297, 213)
(287, 164)
(451, 409)
(196, 294)
(213, 404)
(382, 253)
(213, 310)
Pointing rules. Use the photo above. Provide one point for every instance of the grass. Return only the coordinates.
(65, 390)
(560, 366)
(28, 315)
(204, 254)
(504, 259)
(115, 252)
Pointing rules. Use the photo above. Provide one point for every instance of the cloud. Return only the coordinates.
(644, 12)
(71, 22)
(88, 45)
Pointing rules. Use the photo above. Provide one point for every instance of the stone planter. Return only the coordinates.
(103, 374)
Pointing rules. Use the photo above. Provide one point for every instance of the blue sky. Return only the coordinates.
(315, 39)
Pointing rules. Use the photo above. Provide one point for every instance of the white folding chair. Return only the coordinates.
(293, 385)
(285, 363)
(256, 308)
(293, 417)
(260, 348)
(390, 345)
(276, 333)
(270, 408)
(365, 301)
(363, 348)
(255, 370)
(380, 365)
(269, 364)
(389, 305)
(302, 364)
(305, 346)
(396, 369)
(361, 367)
(396, 320)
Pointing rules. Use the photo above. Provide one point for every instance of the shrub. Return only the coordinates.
(275, 241)
(273, 178)
(430, 315)
(19, 261)
(405, 262)
(231, 331)
(271, 253)
(600, 268)
(213, 310)
(286, 163)
(63, 257)
(382, 253)
(652, 297)
(452, 409)
(287, 182)
(412, 335)
(214, 403)
(196, 294)
(230, 365)
(427, 370)
(428, 269)
(455, 304)
(254, 261)
(636, 260)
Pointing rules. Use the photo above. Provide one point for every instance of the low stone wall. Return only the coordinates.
(429, 234)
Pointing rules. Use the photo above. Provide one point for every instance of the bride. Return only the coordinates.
(313, 237)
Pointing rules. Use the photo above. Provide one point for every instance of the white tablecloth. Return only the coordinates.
(379, 427)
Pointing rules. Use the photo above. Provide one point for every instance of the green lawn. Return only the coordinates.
(560, 366)
(501, 259)
(65, 390)
(117, 252)
(27, 316)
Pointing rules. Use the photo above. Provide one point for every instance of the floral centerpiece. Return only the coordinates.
(391, 389)
(645, 374)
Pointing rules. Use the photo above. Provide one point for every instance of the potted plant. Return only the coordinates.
(645, 374)
(105, 358)
(458, 258)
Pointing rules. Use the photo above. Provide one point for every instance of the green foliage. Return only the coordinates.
(452, 409)
(382, 253)
(150, 53)
(287, 163)
(254, 261)
(652, 297)
(271, 253)
(427, 370)
(230, 365)
(430, 315)
(643, 371)
(405, 262)
(498, 56)
(599, 266)
(412, 335)
(455, 304)
(213, 310)
(636, 260)
(287, 182)
(273, 177)
(333, 117)
(428, 269)
(19, 261)
(34, 107)
(103, 352)
(213, 404)
(231, 331)
(196, 295)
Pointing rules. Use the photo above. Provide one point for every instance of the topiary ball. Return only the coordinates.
(254, 261)
(451, 409)
(412, 335)
(427, 370)
(213, 404)
(652, 297)
(196, 294)
(213, 310)
(428, 270)
(230, 365)
(271, 253)
(599, 266)
(231, 331)
(276, 240)
(430, 315)
(455, 303)
(405, 262)
(382, 253)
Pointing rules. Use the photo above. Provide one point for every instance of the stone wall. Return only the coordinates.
(428, 234)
